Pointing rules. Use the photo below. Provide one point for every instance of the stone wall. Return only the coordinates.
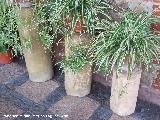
(137, 5)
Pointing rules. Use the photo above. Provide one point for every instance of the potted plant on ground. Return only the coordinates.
(78, 18)
(124, 47)
(5, 53)
(8, 34)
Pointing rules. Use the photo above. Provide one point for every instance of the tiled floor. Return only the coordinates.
(8, 108)
(37, 91)
(48, 100)
(84, 107)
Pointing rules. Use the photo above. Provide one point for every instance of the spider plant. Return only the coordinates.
(56, 12)
(79, 10)
(87, 13)
(129, 40)
(77, 58)
(52, 16)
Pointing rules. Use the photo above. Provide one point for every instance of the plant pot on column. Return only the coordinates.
(77, 68)
(124, 91)
(124, 47)
(77, 15)
(38, 61)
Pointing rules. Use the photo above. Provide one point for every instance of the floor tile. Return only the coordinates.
(11, 71)
(37, 91)
(74, 108)
(8, 110)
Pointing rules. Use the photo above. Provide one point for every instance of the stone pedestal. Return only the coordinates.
(38, 61)
(124, 92)
(78, 84)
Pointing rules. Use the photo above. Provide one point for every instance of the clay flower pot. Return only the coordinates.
(79, 27)
(6, 58)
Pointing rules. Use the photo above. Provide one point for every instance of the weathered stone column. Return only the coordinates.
(124, 92)
(38, 61)
(78, 84)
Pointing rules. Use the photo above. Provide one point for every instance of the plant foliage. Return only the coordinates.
(56, 13)
(76, 60)
(8, 28)
(130, 40)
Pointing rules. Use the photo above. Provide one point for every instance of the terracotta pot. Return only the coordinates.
(79, 27)
(78, 84)
(6, 58)
(124, 91)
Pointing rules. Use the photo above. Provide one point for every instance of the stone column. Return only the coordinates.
(124, 91)
(38, 61)
(78, 84)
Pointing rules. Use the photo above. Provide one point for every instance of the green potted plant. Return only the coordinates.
(8, 34)
(124, 47)
(77, 65)
(78, 19)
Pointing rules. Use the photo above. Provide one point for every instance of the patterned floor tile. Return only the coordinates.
(102, 113)
(11, 71)
(75, 108)
(37, 91)
(8, 111)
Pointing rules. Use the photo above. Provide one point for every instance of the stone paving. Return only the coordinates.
(21, 99)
